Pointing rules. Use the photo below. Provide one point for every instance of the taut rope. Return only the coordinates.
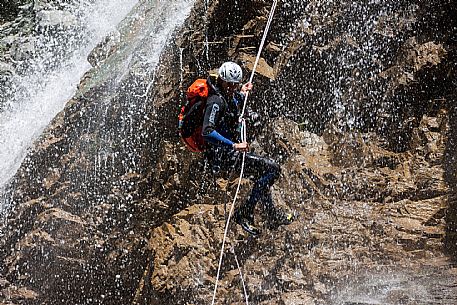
(243, 138)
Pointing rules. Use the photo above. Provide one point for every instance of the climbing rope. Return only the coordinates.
(243, 139)
(241, 276)
(262, 43)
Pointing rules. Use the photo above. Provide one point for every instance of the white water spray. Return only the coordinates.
(41, 91)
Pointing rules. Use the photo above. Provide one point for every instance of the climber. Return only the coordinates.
(224, 149)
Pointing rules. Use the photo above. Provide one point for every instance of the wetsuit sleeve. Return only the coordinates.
(213, 112)
(239, 98)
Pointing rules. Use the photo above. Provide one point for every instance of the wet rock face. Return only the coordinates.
(451, 179)
(361, 226)
(356, 103)
(9, 10)
(364, 167)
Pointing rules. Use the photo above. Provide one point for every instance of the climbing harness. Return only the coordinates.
(243, 138)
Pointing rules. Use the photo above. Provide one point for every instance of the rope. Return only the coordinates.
(262, 43)
(243, 138)
(241, 276)
(226, 230)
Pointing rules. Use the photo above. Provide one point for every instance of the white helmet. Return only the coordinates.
(230, 72)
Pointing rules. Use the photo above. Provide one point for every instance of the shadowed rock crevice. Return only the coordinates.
(451, 179)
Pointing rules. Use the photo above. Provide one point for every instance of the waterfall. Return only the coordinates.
(42, 91)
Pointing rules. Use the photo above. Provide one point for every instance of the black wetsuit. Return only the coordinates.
(221, 131)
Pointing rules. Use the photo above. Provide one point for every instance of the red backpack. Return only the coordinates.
(190, 120)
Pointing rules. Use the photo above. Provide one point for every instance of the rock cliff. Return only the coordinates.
(357, 103)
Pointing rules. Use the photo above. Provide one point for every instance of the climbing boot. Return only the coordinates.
(247, 223)
(281, 218)
(249, 227)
